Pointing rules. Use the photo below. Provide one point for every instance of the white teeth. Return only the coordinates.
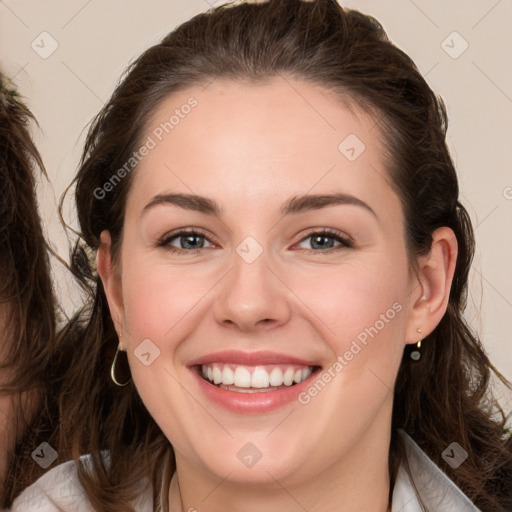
(242, 377)
(276, 377)
(228, 377)
(288, 377)
(217, 375)
(259, 377)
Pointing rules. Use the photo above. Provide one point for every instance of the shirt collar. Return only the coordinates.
(437, 492)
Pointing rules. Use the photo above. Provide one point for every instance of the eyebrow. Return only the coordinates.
(299, 204)
(295, 205)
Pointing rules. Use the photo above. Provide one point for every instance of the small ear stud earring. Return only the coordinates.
(415, 355)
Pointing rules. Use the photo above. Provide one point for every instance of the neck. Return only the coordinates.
(357, 482)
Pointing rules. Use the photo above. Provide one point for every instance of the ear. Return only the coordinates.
(111, 280)
(431, 288)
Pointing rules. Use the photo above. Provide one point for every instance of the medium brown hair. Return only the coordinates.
(442, 398)
(27, 333)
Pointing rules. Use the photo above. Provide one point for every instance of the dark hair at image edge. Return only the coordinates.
(443, 398)
(26, 297)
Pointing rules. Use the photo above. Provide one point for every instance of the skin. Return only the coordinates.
(251, 148)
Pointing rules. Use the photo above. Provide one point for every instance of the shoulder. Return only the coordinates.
(426, 483)
(59, 490)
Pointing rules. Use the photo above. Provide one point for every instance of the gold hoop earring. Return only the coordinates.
(415, 355)
(113, 371)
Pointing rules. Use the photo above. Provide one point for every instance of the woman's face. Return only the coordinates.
(295, 267)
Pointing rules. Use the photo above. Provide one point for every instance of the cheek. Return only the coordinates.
(355, 299)
(360, 311)
(160, 307)
(156, 303)
(157, 298)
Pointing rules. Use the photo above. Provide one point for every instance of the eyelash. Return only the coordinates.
(346, 242)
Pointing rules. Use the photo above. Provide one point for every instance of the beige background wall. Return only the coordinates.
(92, 42)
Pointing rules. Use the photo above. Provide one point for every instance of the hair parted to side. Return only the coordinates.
(27, 325)
(442, 398)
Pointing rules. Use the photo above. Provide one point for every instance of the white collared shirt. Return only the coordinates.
(59, 489)
(437, 492)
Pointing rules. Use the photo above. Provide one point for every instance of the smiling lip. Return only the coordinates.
(251, 359)
(256, 401)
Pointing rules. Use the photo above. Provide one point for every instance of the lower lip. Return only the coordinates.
(257, 402)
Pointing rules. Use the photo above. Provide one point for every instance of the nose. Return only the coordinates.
(252, 297)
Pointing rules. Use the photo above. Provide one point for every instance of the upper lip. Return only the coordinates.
(250, 358)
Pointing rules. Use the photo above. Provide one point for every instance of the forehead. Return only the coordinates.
(254, 141)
